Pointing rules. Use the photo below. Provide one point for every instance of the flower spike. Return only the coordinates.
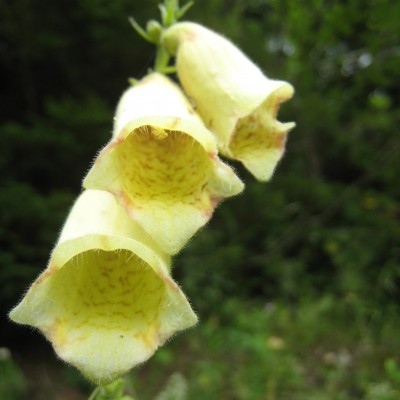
(162, 164)
(235, 100)
(106, 300)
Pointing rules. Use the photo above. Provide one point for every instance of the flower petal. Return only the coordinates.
(105, 302)
(261, 127)
(163, 169)
(236, 101)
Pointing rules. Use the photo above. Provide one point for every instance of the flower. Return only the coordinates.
(236, 101)
(106, 300)
(162, 164)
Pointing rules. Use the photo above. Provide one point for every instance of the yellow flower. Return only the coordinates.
(162, 164)
(235, 100)
(106, 300)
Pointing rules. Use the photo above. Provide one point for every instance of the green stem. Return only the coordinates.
(94, 393)
(171, 12)
(162, 59)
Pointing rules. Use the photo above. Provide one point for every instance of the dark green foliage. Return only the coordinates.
(12, 383)
(271, 351)
(322, 237)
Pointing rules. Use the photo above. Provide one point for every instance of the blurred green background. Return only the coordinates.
(296, 282)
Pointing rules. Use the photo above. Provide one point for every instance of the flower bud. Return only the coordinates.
(106, 300)
(162, 164)
(154, 29)
(236, 101)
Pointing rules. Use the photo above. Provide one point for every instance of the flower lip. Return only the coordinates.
(258, 139)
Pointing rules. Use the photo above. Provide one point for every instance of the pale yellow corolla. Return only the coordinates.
(162, 164)
(106, 300)
(236, 101)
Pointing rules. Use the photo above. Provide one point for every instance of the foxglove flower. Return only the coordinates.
(236, 101)
(106, 300)
(162, 164)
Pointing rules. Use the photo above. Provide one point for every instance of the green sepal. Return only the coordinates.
(140, 30)
(182, 11)
(112, 391)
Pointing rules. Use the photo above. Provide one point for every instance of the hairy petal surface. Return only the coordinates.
(106, 301)
(236, 101)
(162, 164)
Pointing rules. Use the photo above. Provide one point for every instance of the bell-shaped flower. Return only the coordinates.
(162, 164)
(236, 101)
(106, 300)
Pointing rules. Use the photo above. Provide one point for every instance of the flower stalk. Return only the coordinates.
(107, 300)
(170, 12)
